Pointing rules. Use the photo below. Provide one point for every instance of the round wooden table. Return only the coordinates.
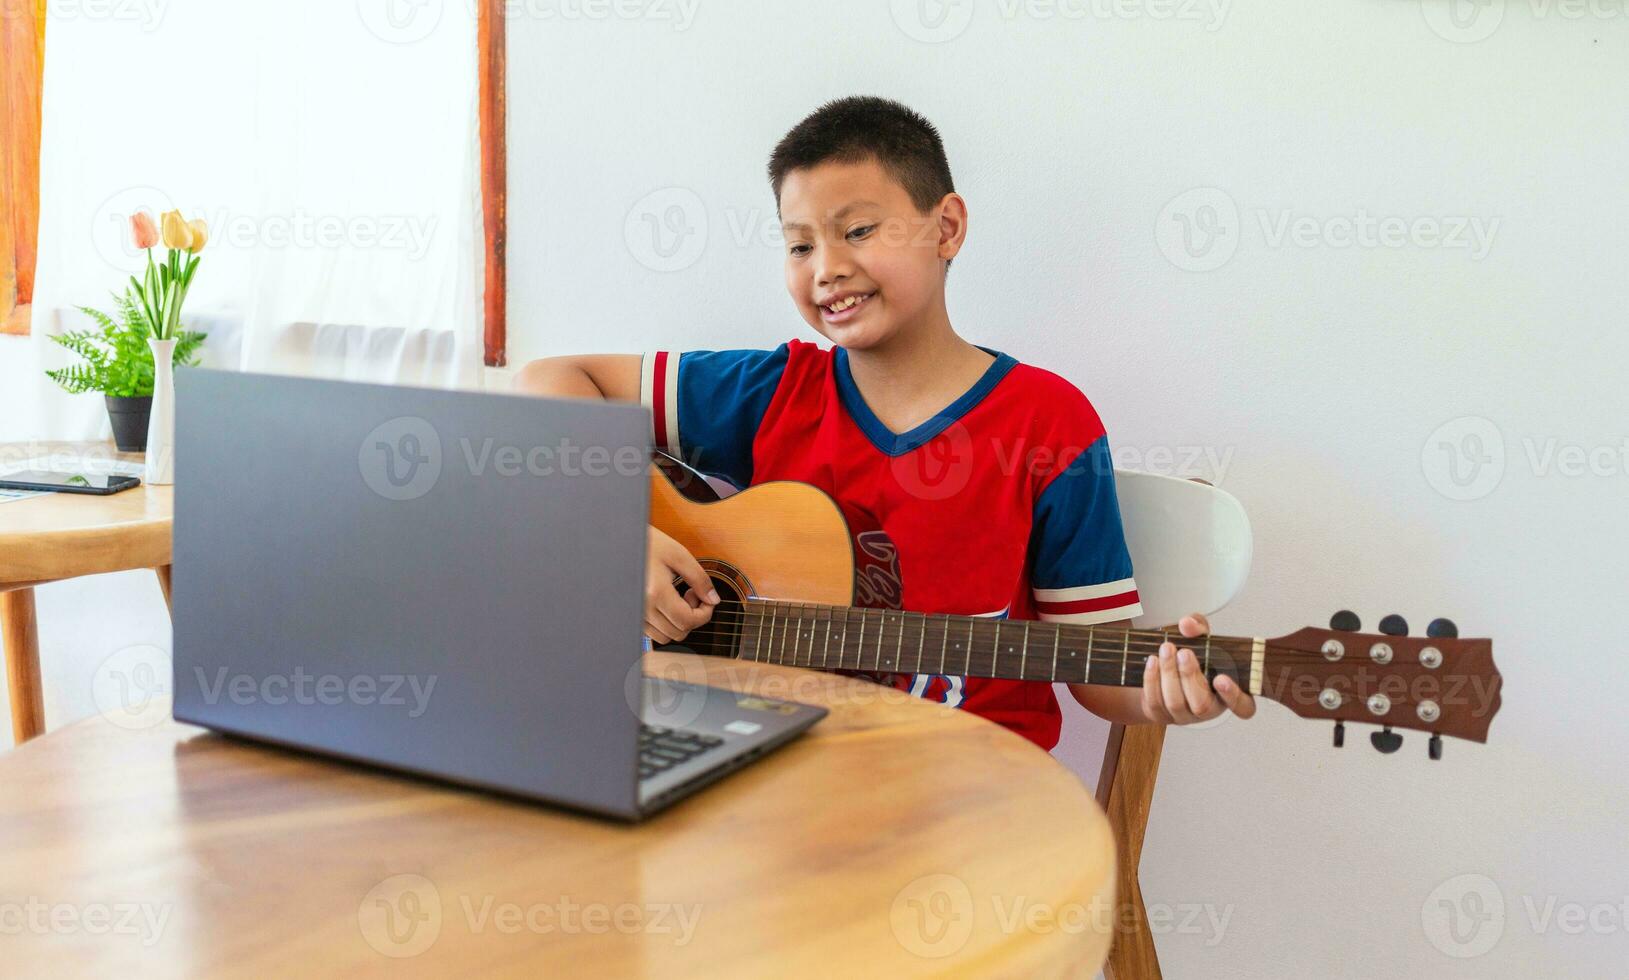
(64, 535)
(897, 837)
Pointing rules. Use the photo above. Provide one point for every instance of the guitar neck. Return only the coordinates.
(890, 641)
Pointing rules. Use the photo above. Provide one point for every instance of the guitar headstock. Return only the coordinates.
(1436, 683)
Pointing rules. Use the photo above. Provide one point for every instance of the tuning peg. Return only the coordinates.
(1346, 621)
(1394, 625)
(1340, 734)
(1434, 747)
(1386, 740)
(1442, 629)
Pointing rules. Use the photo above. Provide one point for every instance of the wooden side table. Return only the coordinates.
(897, 838)
(65, 535)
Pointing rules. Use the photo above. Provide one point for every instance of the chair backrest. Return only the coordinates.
(1190, 547)
(1190, 544)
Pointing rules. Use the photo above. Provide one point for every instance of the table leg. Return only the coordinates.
(19, 635)
(164, 583)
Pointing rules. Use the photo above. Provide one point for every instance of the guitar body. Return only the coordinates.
(780, 540)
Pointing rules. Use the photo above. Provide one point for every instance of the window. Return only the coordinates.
(22, 35)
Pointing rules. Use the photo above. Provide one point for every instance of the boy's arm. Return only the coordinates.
(612, 377)
(669, 617)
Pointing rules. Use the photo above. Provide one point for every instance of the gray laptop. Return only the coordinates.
(445, 583)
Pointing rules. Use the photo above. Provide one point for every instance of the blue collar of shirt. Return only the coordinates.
(899, 443)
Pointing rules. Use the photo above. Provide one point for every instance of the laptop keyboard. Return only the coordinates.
(660, 749)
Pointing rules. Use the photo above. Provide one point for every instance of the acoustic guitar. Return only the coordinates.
(782, 559)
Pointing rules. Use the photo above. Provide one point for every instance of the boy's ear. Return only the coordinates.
(952, 211)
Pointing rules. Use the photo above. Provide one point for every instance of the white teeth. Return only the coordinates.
(844, 304)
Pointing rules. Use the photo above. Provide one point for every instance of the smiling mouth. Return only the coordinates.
(846, 307)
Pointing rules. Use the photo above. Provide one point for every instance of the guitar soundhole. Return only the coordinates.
(721, 636)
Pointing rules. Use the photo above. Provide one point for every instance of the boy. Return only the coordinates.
(972, 484)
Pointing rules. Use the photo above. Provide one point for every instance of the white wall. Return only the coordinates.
(1314, 370)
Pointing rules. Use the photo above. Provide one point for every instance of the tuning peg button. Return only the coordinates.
(1394, 625)
(1434, 747)
(1346, 621)
(1340, 734)
(1442, 629)
(1386, 740)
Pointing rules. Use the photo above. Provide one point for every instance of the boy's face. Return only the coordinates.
(854, 239)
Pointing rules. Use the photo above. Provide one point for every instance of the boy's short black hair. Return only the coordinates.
(863, 127)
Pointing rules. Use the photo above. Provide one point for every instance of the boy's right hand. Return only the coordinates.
(669, 616)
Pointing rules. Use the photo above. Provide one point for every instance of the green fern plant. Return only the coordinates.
(116, 358)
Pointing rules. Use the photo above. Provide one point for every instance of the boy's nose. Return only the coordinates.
(833, 268)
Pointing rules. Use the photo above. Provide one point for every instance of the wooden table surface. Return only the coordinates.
(898, 837)
(64, 535)
(61, 535)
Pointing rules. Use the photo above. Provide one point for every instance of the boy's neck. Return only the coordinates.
(918, 373)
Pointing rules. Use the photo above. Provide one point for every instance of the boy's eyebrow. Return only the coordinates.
(838, 214)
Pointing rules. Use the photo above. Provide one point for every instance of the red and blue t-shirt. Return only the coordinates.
(1003, 505)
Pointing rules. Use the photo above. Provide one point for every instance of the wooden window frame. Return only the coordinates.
(490, 35)
(22, 55)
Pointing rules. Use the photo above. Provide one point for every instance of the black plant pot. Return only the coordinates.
(129, 418)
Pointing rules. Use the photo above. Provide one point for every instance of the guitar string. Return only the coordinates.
(751, 607)
(1240, 648)
(1143, 643)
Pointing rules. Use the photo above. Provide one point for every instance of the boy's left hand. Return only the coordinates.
(1175, 691)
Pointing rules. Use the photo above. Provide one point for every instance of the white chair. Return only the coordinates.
(1190, 549)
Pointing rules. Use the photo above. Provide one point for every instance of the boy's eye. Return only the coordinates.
(862, 231)
(799, 250)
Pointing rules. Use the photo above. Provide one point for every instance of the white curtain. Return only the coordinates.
(333, 152)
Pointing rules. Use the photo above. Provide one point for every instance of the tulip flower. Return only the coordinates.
(177, 234)
(142, 230)
(200, 234)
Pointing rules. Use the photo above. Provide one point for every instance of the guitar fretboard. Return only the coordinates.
(889, 641)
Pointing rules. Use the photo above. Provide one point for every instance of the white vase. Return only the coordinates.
(161, 420)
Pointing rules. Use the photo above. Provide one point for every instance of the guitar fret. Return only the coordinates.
(1023, 658)
(842, 645)
(801, 608)
(876, 663)
(1091, 637)
(790, 632)
(768, 647)
(1125, 655)
(1057, 635)
(859, 646)
(968, 671)
(944, 642)
(921, 637)
(794, 625)
(786, 630)
(995, 651)
(899, 644)
(1207, 655)
(825, 646)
